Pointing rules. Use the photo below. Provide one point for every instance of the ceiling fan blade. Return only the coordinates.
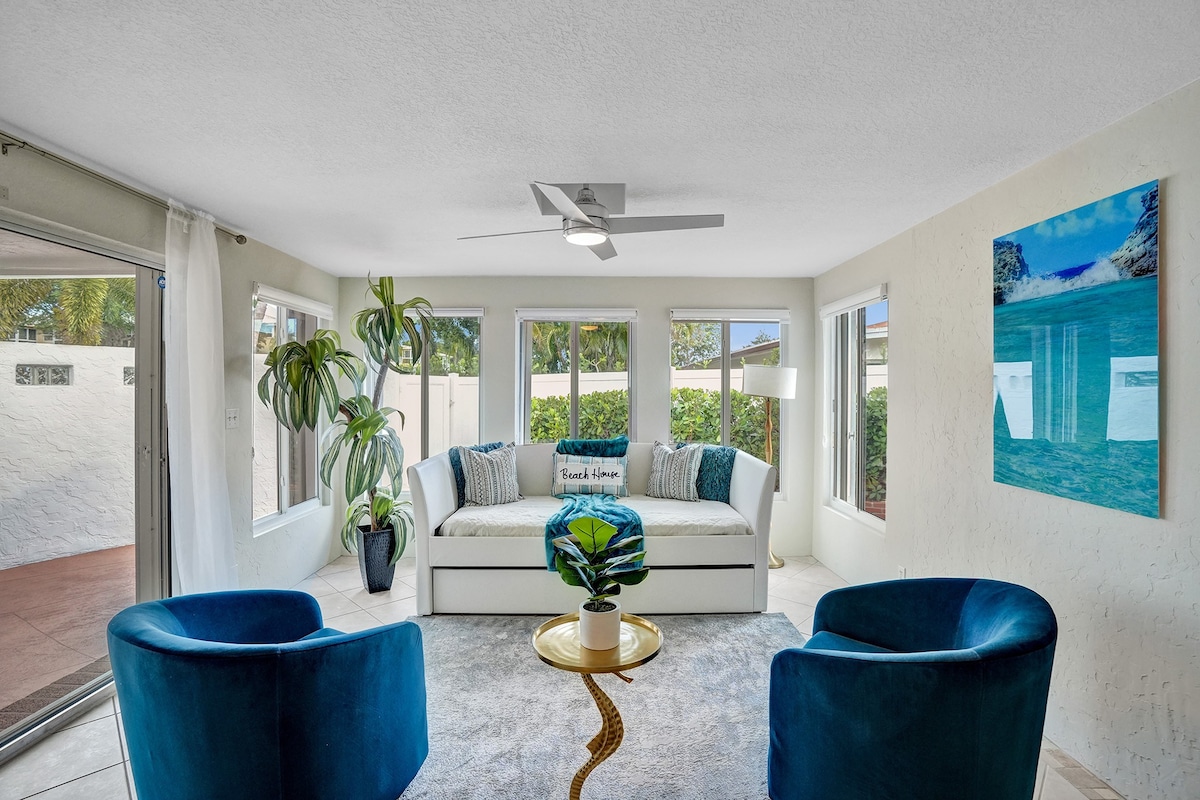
(558, 198)
(646, 224)
(605, 250)
(514, 233)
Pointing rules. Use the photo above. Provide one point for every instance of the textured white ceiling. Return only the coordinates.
(367, 136)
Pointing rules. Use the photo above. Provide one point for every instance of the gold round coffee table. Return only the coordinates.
(557, 643)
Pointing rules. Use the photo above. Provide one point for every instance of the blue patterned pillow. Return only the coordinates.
(605, 448)
(590, 475)
(491, 478)
(460, 479)
(673, 472)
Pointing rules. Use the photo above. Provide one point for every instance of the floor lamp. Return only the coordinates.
(768, 383)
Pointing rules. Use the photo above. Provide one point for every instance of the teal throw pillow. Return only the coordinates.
(604, 448)
(716, 471)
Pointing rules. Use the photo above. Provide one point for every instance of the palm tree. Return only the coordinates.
(86, 311)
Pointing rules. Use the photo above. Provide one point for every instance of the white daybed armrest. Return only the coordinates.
(435, 497)
(752, 494)
(752, 491)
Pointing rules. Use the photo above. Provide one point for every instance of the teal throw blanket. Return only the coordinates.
(601, 506)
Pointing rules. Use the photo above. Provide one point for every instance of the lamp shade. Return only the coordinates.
(764, 381)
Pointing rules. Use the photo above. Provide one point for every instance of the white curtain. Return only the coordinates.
(201, 522)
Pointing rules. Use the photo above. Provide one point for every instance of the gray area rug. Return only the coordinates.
(502, 724)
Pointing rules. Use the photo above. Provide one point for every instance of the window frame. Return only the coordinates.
(727, 317)
(285, 512)
(575, 316)
(845, 408)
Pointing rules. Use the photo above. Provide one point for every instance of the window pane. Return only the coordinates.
(265, 486)
(550, 384)
(696, 382)
(859, 357)
(754, 421)
(603, 379)
(453, 358)
(874, 416)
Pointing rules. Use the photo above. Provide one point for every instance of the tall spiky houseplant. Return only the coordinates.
(301, 387)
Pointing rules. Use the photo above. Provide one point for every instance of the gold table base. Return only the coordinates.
(557, 643)
(604, 743)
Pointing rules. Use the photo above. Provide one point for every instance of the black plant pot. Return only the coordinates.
(374, 557)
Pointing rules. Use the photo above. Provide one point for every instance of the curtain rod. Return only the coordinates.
(21, 144)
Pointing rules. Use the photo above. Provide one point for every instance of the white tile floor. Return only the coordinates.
(87, 759)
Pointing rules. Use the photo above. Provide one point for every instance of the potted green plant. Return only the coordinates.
(301, 387)
(590, 558)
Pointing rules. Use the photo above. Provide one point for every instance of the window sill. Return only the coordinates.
(271, 522)
(849, 512)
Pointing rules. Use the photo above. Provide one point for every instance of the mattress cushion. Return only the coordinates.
(660, 517)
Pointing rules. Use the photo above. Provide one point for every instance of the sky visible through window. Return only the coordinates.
(877, 312)
(742, 333)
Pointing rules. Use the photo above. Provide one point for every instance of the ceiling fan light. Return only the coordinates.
(586, 237)
(583, 234)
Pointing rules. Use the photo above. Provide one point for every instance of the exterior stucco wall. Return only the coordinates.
(66, 454)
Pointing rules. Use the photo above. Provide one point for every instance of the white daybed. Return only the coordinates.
(704, 557)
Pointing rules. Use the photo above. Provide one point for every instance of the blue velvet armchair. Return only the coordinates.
(245, 695)
(932, 689)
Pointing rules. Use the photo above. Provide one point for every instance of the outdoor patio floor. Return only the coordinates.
(52, 621)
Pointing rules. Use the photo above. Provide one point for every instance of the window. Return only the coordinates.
(439, 397)
(856, 332)
(577, 376)
(709, 350)
(127, 376)
(25, 335)
(44, 375)
(285, 462)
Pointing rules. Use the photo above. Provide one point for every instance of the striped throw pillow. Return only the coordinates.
(490, 478)
(673, 472)
(590, 475)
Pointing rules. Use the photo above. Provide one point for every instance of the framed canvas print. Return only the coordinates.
(1075, 358)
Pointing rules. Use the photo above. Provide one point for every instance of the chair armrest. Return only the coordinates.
(353, 694)
(848, 724)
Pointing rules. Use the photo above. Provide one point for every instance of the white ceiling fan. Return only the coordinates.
(586, 221)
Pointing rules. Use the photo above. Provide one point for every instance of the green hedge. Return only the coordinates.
(602, 415)
(875, 435)
(695, 417)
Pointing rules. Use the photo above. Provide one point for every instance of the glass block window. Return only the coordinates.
(43, 375)
(127, 376)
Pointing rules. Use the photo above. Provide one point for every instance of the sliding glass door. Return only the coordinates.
(82, 467)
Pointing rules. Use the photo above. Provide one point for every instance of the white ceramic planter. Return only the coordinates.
(600, 630)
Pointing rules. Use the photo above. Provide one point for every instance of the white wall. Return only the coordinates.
(653, 298)
(47, 194)
(66, 454)
(1125, 696)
